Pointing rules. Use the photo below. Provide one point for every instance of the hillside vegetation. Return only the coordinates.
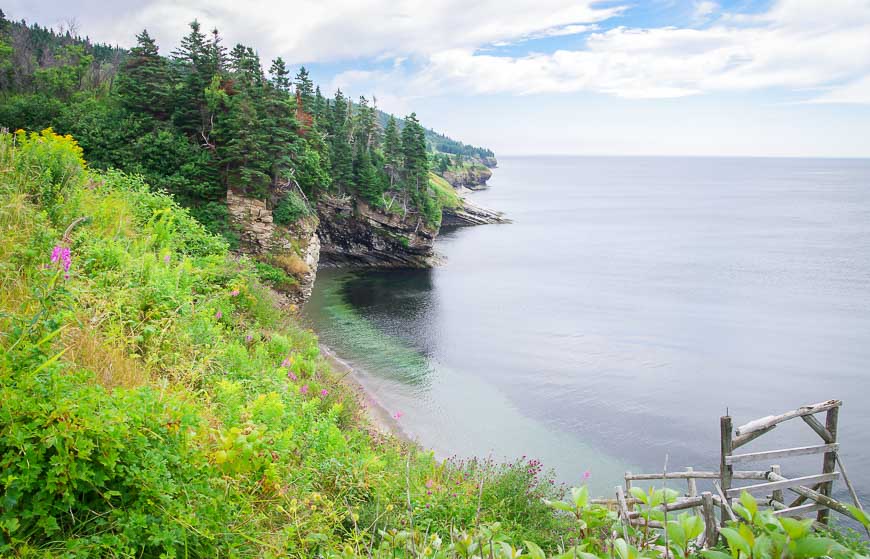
(208, 118)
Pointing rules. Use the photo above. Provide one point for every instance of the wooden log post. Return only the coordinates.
(829, 462)
(777, 493)
(711, 533)
(692, 485)
(726, 470)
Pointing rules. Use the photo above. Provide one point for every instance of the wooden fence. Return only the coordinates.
(813, 492)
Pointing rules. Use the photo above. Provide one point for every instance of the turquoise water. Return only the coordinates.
(629, 304)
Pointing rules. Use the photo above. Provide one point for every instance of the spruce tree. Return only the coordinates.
(392, 147)
(143, 85)
(339, 143)
(305, 90)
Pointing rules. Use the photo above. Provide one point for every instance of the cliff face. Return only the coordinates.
(295, 248)
(490, 162)
(473, 177)
(353, 233)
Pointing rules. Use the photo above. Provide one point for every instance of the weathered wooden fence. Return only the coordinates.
(813, 491)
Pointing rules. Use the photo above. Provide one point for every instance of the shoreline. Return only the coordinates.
(376, 414)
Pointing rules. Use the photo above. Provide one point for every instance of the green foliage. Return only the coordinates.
(290, 209)
(46, 165)
(275, 276)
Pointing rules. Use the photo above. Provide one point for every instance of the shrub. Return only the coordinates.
(47, 164)
(290, 209)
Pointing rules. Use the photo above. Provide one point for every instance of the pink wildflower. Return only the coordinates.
(249, 338)
(324, 393)
(62, 255)
(429, 484)
(587, 474)
(398, 415)
(234, 293)
(166, 259)
(303, 389)
(286, 362)
(292, 376)
(218, 315)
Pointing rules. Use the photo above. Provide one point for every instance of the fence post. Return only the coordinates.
(710, 531)
(777, 493)
(726, 471)
(829, 462)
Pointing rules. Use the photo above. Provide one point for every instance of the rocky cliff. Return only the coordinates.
(294, 248)
(353, 233)
(472, 176)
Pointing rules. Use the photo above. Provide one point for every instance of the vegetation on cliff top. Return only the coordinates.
(208, 118)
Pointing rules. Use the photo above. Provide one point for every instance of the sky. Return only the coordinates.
(633, 77)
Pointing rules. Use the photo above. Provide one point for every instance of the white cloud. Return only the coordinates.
(320, 31)
(796, 45)
(809, 46)
(703, 10)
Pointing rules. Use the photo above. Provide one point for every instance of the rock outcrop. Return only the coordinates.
(490, 162)
(297, 245)
(353, 233)
(471, 214)
(473, 177)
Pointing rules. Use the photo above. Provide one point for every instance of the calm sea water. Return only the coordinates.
(631, 302)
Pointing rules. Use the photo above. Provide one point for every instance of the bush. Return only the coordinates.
(46, 164)
(290, 209)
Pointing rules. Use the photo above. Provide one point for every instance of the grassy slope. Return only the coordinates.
(446, 194)
(156, 401)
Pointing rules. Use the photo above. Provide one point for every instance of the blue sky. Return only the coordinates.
(670, 77)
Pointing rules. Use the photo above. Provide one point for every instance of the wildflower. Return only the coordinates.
(249, 338)
(218, 315)
(234, 293)
(286, 362)
(303, 389)
(62, 255)
(398, 415)
(292, 376)
(429, 484)
(166, 259)
(586, 475)
(324, 393)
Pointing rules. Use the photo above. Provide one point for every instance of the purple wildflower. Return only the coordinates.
(303, 389)
(249, 338)
(324, 393)
(286, 362)
(166, 259)
(234, 293)
(587, 474)
(292, 376)
(62, 255)
(398, 415)
(218, 315)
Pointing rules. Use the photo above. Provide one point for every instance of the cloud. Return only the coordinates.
(703, 10)
(307, 31)
(796, 45)
(817, 48)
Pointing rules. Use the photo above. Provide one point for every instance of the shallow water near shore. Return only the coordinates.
(631, 302)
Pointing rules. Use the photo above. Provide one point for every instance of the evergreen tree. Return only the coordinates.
(143, 85)
(190, 63)
(415, 162)
(392, 146)
(280, 75)
(340, 152)
(305, 90)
